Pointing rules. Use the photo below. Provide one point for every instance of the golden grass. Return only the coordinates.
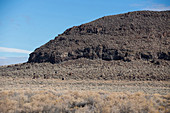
(50, 101)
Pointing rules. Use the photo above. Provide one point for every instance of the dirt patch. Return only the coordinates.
(148, 87)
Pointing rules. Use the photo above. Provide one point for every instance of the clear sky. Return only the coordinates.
(28, 24)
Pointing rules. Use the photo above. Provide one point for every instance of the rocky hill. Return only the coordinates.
(131, 36)
(132, 46)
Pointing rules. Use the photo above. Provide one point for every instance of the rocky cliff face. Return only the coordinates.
(126, 37)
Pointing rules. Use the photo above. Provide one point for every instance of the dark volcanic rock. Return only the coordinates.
(130, 36)
(165, 56)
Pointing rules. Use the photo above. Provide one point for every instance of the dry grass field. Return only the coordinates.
(23, 95)
(50, 101)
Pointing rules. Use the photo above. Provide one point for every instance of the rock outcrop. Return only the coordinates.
(131, 36)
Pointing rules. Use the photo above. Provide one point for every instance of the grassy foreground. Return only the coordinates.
(50, 101)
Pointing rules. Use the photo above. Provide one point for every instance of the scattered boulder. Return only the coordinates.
(146, 55)
(164, 56)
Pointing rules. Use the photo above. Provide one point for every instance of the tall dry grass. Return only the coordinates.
(82, 102)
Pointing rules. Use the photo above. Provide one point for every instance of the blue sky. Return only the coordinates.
(28, 24)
